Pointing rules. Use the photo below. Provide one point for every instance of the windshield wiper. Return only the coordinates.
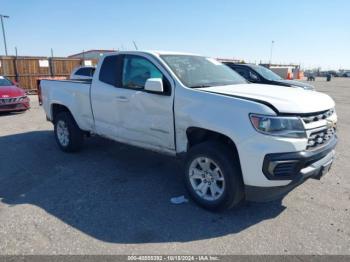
(200, 86)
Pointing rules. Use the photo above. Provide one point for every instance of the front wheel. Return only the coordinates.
(213, 176)
(69, 136)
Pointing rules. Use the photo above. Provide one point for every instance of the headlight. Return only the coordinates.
(23, 98)
(278, 126)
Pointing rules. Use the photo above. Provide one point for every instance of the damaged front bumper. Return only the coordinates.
(15, 106)
(294, 166)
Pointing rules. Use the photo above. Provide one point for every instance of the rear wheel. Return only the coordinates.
(213, 177)
(69, 136)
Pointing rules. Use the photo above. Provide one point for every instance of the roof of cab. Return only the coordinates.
(152, 52)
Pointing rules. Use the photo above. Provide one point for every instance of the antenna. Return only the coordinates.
(136, 48)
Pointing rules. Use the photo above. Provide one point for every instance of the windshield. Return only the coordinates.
(198, 71)
(5, 82)
(267, 73)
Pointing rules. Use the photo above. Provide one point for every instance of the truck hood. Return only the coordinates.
(284, 99)
(296, 84)
(11, 91)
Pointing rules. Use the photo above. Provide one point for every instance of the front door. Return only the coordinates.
(144, 119)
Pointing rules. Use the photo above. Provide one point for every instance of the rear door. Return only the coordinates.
(104, 92)
(145, 119)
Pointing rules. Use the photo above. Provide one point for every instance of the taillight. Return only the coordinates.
(39, 93)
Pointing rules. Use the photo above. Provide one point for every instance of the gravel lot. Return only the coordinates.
(114, 199)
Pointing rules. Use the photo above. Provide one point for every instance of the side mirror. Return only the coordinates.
(16, 83)
(154, 85)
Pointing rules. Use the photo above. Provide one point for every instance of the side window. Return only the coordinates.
(253, 77)
(79, 72)
(242, 71)
(86, 71)
(109, 70)
(136, 71)
(90, 71)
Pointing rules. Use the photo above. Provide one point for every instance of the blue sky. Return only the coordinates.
(313, 33)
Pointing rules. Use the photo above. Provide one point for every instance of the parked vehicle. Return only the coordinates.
(333, 73)
(262, 75)
(310, 77)
(329, 77)
(238, 140)
(12, 97)
(83, 73)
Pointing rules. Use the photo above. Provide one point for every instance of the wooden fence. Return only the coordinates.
(27, 70)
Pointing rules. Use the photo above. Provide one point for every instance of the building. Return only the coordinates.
(288, 71)
(91, 54)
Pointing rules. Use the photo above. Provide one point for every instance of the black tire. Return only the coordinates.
(233, 193)
(76, 135)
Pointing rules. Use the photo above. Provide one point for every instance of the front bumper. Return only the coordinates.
(305, 165)
(18, 106)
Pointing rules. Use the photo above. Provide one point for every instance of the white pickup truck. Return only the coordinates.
(239, 140)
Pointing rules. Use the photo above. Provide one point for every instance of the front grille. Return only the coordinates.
(320, 138)
(9, 100)
(317, 117)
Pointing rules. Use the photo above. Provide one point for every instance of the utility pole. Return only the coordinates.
(52, 69)
(15, 64)
(3, 31)
(83, 61)
(272, 42)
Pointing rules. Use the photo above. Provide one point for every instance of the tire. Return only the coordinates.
(226, 182)
(69, 136)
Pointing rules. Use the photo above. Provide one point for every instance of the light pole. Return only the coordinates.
(3, 30)
(272, 42)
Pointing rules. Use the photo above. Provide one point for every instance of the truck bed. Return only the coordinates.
(74, 94)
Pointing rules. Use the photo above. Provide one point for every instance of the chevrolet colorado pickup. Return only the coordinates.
(239, 141)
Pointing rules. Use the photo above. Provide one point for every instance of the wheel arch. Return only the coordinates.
(57, 108)
(197, 135)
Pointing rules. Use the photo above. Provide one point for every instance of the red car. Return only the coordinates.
(12, 98)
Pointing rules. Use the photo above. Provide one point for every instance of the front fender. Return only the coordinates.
(222, 114)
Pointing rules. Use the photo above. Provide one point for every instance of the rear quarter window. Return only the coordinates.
(110, 70)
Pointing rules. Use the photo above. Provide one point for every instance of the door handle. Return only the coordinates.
(122, 98)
